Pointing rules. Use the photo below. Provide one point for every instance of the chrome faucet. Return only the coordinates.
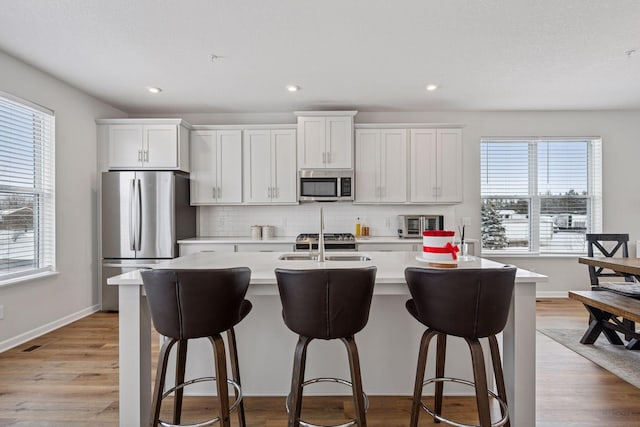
(321, 239)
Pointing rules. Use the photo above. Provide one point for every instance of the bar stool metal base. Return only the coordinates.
(429, 411)
(235, 404)
(328, 380)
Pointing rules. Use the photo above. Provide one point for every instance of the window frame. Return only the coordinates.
(42, 188)
(534, 198)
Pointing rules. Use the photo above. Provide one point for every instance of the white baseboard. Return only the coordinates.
(552, 294)
(51, 326)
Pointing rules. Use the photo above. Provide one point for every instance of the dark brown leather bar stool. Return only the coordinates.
(466, 303)
(188, 304)
(326, 304)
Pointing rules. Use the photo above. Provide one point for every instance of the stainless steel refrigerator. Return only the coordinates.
(144, 214)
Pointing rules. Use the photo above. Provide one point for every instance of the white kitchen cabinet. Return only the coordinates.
(147, 144)
(216, 167)
(390, 247)
(325, 139)
(436, 165)
(270, 173)
(265, 247)
(381, 166)
(194, 248)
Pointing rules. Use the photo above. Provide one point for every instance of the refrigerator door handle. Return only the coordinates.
(132, 216)
(138, 202)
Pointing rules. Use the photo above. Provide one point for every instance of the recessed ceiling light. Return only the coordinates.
(154, 89)
(293, 88)
(432, 87)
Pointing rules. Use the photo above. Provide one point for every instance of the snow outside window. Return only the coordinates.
(540, 195)
(27, 196)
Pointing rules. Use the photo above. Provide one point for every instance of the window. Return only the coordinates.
(540, 195)
(27, 197)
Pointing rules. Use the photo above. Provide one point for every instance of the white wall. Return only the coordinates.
(33, 307)
(620, 132)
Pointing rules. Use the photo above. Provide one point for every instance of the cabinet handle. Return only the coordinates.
(269, 192)
(146, 155)
(219, 192)
(277, 192)
(213, 192)
(328, 157)
(139, 155)
(324, 157)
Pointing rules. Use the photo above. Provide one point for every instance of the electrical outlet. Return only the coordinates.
(1, 312)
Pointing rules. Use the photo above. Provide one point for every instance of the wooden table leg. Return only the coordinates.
(597, 326)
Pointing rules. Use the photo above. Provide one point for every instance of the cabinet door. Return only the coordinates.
(393, 166)
(423, 165)
(449, 153)
(367, 166)
(257, 166)
(284, 172)
(229, 166)
(203, 152)
(125, 146)
(311, 142)
(160, 146)
(339, 142)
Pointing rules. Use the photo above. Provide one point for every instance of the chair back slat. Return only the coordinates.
(599, 241)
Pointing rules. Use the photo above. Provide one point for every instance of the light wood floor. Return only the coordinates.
(69, 377)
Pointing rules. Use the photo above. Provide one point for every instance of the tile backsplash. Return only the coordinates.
(227, 221)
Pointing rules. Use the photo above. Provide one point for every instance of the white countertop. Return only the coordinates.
(285, 239)
(235, 240)
(289, 239)
(390, 274)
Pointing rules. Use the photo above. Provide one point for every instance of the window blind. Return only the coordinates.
(540, 195)
(27, 188)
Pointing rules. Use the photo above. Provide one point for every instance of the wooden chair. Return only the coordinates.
(610, 245)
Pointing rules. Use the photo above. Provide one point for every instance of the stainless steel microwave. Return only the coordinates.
(412, 226)
(325, 185)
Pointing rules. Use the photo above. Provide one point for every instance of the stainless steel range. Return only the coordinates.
(332, 242)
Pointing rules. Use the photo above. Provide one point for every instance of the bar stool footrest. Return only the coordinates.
(235, 404)
(429, 411)
(328, 380)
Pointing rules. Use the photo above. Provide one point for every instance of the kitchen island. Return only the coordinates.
(388, 346)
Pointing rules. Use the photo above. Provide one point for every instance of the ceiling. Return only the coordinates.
(367, 55)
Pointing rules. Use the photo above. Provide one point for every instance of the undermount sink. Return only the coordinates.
(298, 257)
(314, 257)
(347, 258)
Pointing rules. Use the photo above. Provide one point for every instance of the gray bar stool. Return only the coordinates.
(188, 304)
(326, 304)
(466, 303)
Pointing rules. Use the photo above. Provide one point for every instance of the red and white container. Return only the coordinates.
(438, 247)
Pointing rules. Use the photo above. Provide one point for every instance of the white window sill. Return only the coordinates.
(28, 278)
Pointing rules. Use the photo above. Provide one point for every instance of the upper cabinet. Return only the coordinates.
(436, 165)
(216, 167)
(270, 174)
(146, 144)
(325, 139)
(381, 166)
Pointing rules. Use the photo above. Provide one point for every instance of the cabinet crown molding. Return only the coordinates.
(408, 125)
(246, 127)
(325, 113)
(151, 121)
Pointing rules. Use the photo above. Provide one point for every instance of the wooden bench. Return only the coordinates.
(605, 308)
